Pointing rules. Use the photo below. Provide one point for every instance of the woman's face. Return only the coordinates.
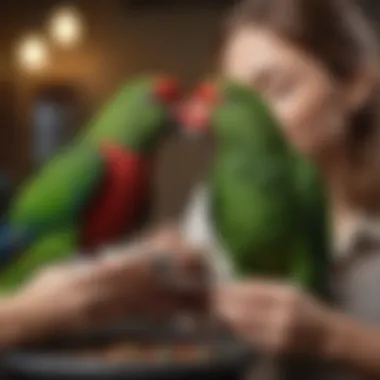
(299, 90)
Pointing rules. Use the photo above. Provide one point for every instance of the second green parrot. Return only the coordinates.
(266, 203)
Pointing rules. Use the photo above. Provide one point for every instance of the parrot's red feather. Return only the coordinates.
(117, 206)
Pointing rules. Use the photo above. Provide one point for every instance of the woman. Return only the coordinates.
(315, 63)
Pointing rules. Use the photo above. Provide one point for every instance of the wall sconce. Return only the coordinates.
(32, 53)
(66, 26)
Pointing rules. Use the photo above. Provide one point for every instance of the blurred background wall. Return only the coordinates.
(120, 39)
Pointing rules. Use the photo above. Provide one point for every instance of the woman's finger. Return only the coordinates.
(241, 312)
(256, 294)
(268, 329)
(261, 293)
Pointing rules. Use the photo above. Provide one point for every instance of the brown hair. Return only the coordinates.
(337, 33)
(334, 31)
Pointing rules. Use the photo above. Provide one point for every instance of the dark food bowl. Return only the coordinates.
(71, 358)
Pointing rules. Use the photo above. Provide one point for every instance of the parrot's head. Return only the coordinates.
(151, 103)
(231, 113)
(140, 114)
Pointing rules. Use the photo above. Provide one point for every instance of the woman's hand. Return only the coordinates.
(276, 318)
(157, 277)
(281, 319)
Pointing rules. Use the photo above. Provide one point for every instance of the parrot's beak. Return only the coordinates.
(194, 115)
(167, 90)
(193, 118)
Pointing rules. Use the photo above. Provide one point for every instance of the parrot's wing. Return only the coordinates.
(48, 203)
(315, 221)
(59, 193)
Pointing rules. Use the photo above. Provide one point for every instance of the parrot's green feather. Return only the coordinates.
(49, 207)
(267, 201)
(315, 220)
(55, 197)
(133, 118)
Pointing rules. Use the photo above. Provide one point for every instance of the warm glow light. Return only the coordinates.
(32, 53)
(66, 26)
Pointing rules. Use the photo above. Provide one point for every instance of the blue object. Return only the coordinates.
(12, 242)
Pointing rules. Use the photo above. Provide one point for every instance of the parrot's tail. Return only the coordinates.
(12, 242)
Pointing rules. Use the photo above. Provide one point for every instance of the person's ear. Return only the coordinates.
(360, 88)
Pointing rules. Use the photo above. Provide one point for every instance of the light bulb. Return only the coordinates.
(66, 26)
(32, 53)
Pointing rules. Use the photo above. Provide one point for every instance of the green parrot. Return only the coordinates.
(267, 202)
(95, 190)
